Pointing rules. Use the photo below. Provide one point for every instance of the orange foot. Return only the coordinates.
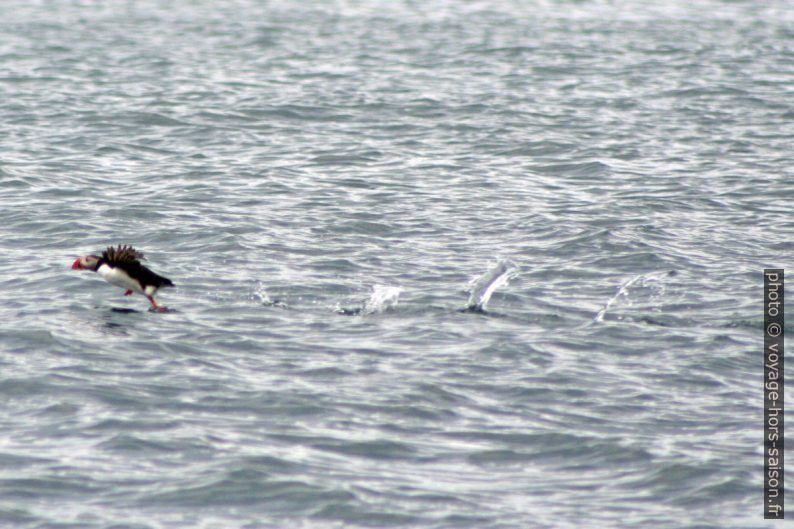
(155, 306)
(128, 293)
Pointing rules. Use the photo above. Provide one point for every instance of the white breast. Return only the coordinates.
(118, 277)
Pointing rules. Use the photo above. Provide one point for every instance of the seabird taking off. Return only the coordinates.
(121, 266)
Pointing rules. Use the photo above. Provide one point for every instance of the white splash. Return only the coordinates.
(651, 280)
(260, 294)
(383, 297)
(484, 286)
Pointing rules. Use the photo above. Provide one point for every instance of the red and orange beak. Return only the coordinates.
(76, 265)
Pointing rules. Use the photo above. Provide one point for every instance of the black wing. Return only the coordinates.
(121, 254)
(144, 276)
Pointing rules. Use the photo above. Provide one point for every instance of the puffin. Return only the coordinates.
(121, 266)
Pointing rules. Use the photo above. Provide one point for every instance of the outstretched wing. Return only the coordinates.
(127, 259)
(121, 255)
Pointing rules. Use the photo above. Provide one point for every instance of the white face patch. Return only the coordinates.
(88, 262)
(118, 277)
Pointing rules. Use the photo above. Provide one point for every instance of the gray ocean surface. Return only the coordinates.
(330, 185)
